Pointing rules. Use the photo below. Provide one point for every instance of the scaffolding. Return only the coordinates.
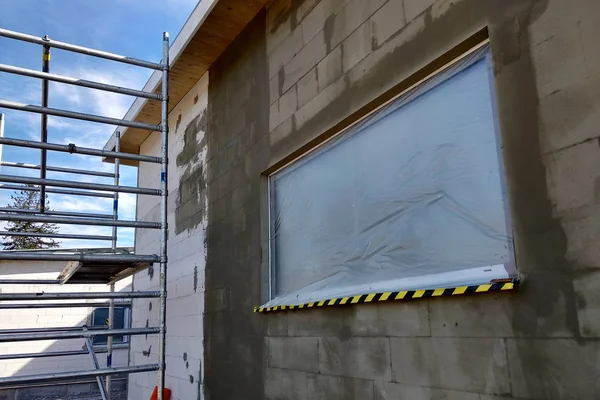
(84, 265)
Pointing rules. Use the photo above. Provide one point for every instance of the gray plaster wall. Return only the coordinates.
(238, 151)
(304, 69)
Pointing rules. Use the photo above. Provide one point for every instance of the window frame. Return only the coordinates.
(126, 324)
(484, 49)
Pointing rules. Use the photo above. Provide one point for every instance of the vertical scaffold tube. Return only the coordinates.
(163, 211)
(44, 122)
(111, 306)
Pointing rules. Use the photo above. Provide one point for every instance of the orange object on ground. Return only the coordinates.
(166, 394)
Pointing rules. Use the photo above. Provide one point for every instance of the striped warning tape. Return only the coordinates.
(387, 296)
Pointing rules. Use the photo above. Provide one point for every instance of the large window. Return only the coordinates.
(121, 321)
(412, 197)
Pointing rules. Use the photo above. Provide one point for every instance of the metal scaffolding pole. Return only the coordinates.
(79, 49)
(31, 337)
(111, 307)
(27, 282)
(60, 213)
(115, 213)
(1, 129)
(78, 185)
(55, 305)
(79, 221)
(56, 236)
(65, 376)
(78, 82)
(57, 191)
(109, 340)
(77, 296)
(52, 329)
(13, 105)
(46, 384)
(57, 169)
(71, 148)
(90, 349)
(65, 353)
(83, 257)
(44, 122)
(164, 128)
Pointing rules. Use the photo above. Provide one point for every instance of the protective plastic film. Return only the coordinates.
(410, 198)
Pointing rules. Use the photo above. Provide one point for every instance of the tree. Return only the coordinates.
(25, 199)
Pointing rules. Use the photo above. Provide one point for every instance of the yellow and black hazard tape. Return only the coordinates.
(391, 296)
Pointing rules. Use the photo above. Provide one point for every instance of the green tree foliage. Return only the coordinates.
(25, 199)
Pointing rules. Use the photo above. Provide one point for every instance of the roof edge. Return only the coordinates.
(185, 35)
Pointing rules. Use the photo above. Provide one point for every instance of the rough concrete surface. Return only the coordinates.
(238, 123)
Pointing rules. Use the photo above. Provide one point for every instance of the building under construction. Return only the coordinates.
(368, 199)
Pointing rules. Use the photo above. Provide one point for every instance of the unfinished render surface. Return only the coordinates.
(325, 64)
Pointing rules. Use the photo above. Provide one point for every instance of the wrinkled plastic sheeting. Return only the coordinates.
(410, 198)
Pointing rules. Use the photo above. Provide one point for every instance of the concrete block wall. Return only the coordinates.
(186, 252)
(238, 125)
(47, 318)
(297, 72)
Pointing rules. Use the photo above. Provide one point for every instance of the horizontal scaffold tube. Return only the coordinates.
(71, 148)
(58, 191)
(56, 236)
(27, 282)
(77, 296)
(13, 105)
(78, 185)
(79, 49)
(60, 213)
(83, 257)
(29, 337)
(65, 353)
(62, 376)
(78, 221)
(57, 305)
(78, 82)
(57, 169)
(51, 329)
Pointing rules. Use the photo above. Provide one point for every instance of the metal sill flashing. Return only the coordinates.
(395, 296)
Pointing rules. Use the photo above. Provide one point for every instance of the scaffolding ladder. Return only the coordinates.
(84, 266)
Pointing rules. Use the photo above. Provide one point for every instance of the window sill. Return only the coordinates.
(395, 296)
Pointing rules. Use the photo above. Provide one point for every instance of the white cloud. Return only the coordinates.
(92, 101)
(103, 102)
(28, 125)
(61, 123)
(20, 89)
(81, 204)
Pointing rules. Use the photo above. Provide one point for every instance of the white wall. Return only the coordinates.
(48, 317)
(187, 255)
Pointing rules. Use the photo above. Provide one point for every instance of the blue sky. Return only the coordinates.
(128, 27)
